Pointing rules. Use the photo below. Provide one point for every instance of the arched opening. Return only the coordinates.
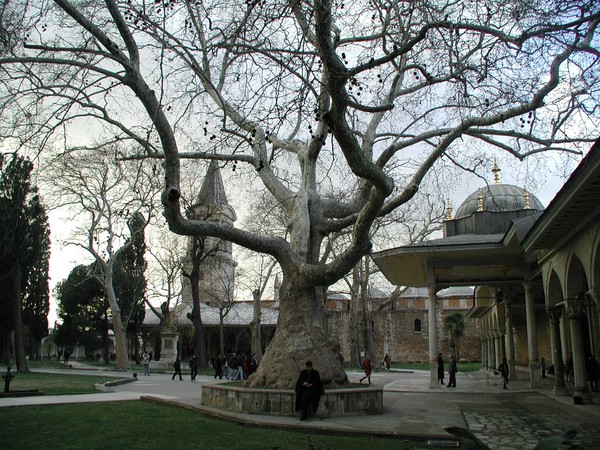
(577, 284)
(554, 290)
(417, 325)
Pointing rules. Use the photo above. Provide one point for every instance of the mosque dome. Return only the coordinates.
(498, 198)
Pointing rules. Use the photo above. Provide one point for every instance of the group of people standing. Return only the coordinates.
(236, 367)
(503, 369)
(452, 369)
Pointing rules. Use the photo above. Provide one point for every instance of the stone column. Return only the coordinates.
(509, 339)
(483, 353)
(534, 364)
(593, 300)
(491, 352)
(498, 338)
(574, 312)
(433, 336)
(554, 314)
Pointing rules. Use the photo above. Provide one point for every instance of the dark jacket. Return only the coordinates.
(309, 386)
(440, 368)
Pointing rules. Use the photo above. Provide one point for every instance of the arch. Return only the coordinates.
(576, 280)
(554, 291)
(595, 259)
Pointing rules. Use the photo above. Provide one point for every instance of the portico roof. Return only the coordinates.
(453, 261)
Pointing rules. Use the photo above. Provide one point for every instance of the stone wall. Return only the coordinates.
(397, 333)
(281, 402)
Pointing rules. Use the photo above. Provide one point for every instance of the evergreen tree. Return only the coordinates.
(24, 253)
(455, 326)
(82, 309)
(36, 300)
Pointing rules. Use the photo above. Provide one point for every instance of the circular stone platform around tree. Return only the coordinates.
(281, 402)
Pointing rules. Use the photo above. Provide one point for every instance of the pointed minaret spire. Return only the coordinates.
(496, 172)
(212, 191)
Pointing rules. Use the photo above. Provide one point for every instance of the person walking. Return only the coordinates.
(177, 367)
(452, 372)
(593, 372)
(146, 363)
(504, 370)
(388, 361)
(368, 369)
(218, 366)
(543, 367)
(193, 367)
(569, 374)
(440, 362)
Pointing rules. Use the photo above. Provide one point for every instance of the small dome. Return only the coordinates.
(498, 198)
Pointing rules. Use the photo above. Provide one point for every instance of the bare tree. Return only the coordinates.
(266, 218)
(164, 273)
(103, 199)
(221, 296)
(198, 253)
(372, 94)
(260, 269)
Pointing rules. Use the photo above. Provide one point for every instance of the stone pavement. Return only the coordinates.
(516, 418)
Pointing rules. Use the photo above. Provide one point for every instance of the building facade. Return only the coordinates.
(536, 274)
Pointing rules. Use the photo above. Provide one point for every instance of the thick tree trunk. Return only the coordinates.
(353, 322)
(221, 333)
(120, 342)
(256, 344)
(300, 336)
(117, 321)
(19, 341)
(199, 338)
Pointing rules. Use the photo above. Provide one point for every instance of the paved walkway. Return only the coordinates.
(516, 418)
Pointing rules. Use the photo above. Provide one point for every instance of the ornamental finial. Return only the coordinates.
(496, 172)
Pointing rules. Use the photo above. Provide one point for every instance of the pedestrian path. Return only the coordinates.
(516, 418)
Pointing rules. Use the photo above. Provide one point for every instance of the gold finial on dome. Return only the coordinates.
(526, 199)
(448, 210)
(496, 172)
(480, 199)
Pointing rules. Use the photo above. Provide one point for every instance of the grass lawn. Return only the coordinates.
(145, 425)
(52, 384)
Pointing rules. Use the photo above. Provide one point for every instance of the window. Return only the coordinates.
(417, 325)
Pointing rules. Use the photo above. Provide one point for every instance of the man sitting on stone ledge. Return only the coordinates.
(308, 391)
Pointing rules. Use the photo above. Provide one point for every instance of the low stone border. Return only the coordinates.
(21, 393)
(109, 385)
(281, 402)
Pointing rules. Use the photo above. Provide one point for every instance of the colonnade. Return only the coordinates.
(566, 320)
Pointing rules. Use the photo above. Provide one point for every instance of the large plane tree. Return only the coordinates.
(306, 99)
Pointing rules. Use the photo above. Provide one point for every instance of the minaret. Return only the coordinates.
(217, 272)
(448, 210)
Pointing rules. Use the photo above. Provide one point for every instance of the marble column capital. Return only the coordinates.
(593, 297)
(574, 307)
(554, 312)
